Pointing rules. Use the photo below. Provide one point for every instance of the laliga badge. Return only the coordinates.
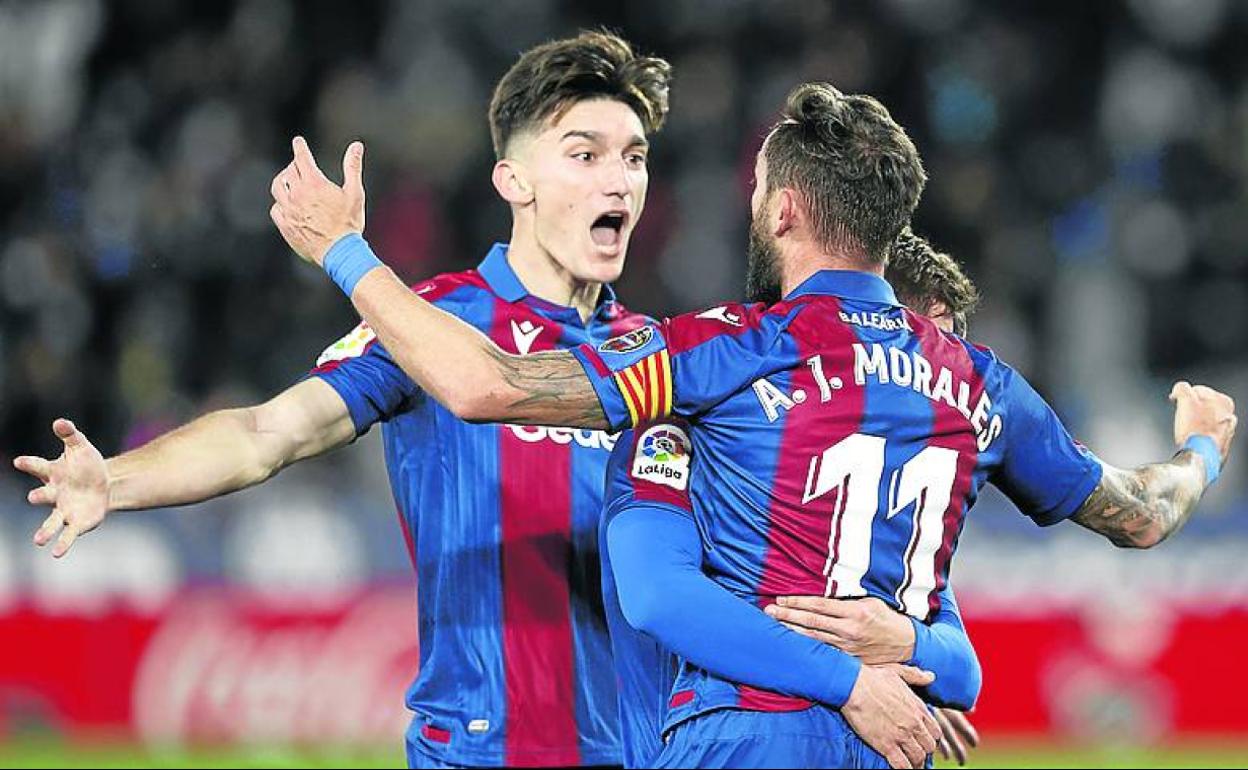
(352, 345)
(662, 457)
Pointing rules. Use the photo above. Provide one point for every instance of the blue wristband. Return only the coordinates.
(348, 260)
(1208, 449)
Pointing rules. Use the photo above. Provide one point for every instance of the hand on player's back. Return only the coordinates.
(866, 628)
(310, 211)
(889, 717)
(74, 484)
(958, 735)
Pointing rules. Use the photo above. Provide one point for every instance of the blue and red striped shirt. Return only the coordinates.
(660, 556)
(840, 439)
(501, 523)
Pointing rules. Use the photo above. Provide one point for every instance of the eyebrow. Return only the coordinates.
(594, 136)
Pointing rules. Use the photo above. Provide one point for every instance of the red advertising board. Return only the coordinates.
(218, 665)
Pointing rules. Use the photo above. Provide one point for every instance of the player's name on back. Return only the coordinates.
(889, 365)
(909, 369)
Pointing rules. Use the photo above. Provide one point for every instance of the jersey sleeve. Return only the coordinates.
(654, 550)
(663, 592)
(1043, 471)
(945, 649)
(373, 386)
(651, 464)
(682, 366)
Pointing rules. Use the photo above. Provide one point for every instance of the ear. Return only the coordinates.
(512, 183)
(938, 311)
(788, 212)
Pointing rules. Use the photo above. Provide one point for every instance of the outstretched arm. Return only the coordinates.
(455, 363)
(1140, 508)
(465, 371)
(218, 453)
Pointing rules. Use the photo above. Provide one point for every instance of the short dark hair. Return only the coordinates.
(551, 77)
(857, 171)
(922, 276)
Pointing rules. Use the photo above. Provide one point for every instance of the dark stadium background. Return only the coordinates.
(1089, 166)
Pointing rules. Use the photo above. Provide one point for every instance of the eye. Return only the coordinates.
(637, 159)
(585, 157)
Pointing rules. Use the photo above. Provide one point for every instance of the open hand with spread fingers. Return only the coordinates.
(74, 484)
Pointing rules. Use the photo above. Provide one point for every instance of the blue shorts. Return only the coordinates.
(419, 760)
(813, 737)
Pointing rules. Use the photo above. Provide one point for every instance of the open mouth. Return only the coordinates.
(607, 228)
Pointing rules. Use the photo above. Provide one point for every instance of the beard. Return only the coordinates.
(762, 272)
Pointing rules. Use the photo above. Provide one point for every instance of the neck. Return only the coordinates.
(544, 277)
(801, 261)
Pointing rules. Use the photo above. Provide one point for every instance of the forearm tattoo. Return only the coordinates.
(1139, 508)
(552, 390)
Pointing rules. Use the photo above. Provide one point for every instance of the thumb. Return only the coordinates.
(1181, 389)
(353, 169)
(915, 676)
(66, 432)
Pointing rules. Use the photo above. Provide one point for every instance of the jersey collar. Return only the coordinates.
(850, 284)
(504, 282)
(497, 272)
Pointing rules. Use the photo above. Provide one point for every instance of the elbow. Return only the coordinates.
(1142, 538)
(481, 397)
(470, 407)
(643, 611)
(1156, 531)
(1147, 540)
(264, 451)
(479, 393)
(967, 698)
(962, 693)
(641, 614)
(462, 406)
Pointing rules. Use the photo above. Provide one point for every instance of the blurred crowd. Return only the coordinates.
(1088, 163)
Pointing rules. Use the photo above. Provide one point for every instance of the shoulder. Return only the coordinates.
(465, 294)
(935, 340)
(623, 320)
(454, 292)
(731, 321)
(999, 378)
(451, 287)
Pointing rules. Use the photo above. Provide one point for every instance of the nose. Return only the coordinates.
(615, 178)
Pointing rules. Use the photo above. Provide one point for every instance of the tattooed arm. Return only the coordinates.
(451, 360)
(465, 371)
(1140, 508)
